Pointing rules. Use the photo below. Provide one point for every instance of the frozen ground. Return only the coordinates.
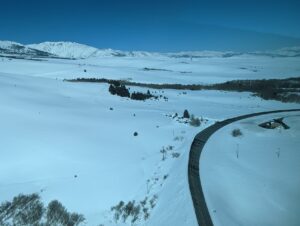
(62, 140)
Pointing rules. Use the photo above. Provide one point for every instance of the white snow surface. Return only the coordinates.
(52, 130)
(253, 179)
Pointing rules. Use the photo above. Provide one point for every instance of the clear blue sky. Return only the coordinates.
(155, 25)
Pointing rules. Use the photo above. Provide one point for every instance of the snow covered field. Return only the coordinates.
(253, 179)
(74, 142)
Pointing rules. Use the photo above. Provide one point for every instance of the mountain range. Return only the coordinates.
(72, 50)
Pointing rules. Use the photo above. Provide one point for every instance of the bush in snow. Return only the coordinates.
(135, 134)
(153, 201)
(118, 210)
(133, 211)
(175, 155)
(164, 153)
(236, 133)
(194, 121)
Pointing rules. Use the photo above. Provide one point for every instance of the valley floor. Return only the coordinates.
(75, 141)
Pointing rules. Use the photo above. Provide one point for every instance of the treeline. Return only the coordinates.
(138, 84)
(285, 90)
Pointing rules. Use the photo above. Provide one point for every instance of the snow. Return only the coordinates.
(253, 179)
(53, 130)
(81, 51)
(66, 49)
(201, 70)
(283, 52)
(8, 44)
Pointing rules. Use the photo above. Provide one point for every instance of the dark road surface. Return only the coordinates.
(201, 210)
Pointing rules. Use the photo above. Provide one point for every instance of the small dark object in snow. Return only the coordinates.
(186, 114)
(133, 115)
(75, 176)
(175, 155)
(135, 134)
(84, 70)
(236, 133)
(111, 109)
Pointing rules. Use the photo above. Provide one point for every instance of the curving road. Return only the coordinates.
(201, 210)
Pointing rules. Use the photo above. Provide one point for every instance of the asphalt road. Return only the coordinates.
(201, 210)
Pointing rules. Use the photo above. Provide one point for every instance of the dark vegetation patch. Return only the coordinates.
(187, 118)
(117, 88)
(284, 90)
(155, 69)
(236, 133)
(133, 211)
(138, 84)
(186, 114)
(29, 210)
(194, 121)
(142, 96)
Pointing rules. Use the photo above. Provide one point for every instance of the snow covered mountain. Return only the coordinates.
(203, 54)
(284, 52)
(14, 48)
(66, 49)
(75, 50)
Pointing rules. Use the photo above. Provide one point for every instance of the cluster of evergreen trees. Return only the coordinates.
(116, 88)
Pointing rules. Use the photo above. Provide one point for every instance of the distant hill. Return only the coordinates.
(14, 48)
(72, 50)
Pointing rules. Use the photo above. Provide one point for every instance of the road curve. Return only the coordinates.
(201, 210)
